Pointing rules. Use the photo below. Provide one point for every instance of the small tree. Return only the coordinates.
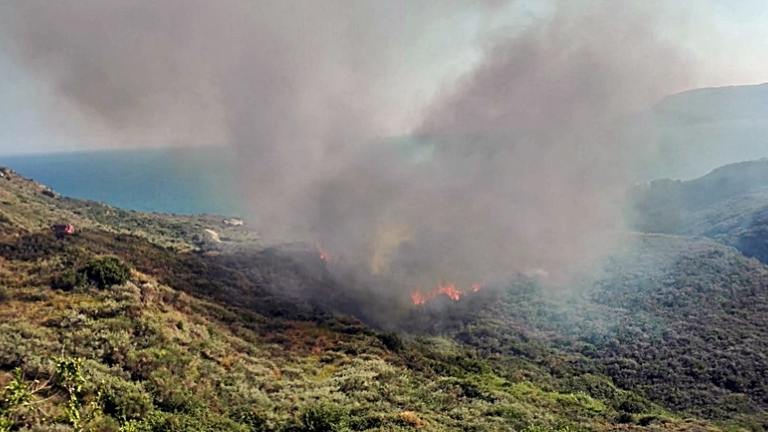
(107, 271)
(69, 378)
(15, 395)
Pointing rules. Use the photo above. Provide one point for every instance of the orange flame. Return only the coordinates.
(323, 255)
(417, 298)
(448, 288)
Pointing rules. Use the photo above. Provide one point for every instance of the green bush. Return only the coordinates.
(624, 418)
(534, 428)
(633, 404)
(391, 341)
(252, 419)
(124, 400)
(158, 421)
(323, 418)
(107, 271)
(647, 420)
(15, 395)
(69, 280)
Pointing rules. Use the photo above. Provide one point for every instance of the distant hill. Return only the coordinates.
(699, 130)
(730, 205)
(713, 105)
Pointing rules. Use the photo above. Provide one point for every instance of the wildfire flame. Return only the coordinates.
(448, 288)
(417, 296)
(323, 255)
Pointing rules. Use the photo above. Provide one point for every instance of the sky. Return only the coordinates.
(730, 35)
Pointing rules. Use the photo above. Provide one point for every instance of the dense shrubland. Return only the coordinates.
(112, 331)
(157, 358)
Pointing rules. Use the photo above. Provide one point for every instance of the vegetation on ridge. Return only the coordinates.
(110, 331)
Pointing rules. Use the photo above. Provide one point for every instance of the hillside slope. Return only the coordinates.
(26, 206)
(680, 322)
(730, 205)
(261, 340)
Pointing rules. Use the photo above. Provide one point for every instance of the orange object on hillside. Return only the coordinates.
(64, 228)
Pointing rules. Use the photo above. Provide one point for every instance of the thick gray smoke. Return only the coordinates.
(526, 170)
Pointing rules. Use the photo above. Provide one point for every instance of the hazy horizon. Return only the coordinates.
(719, 32)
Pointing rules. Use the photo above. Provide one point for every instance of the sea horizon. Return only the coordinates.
(188, 181)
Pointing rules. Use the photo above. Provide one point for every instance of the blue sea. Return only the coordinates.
(176, 181)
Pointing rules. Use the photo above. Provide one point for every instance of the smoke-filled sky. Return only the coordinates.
(519, 100)
(730, 35)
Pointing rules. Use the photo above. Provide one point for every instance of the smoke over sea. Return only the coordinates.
(522, 164)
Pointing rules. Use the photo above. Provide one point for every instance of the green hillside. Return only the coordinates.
(180, 332)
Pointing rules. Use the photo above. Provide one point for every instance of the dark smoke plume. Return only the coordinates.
(527, 167)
